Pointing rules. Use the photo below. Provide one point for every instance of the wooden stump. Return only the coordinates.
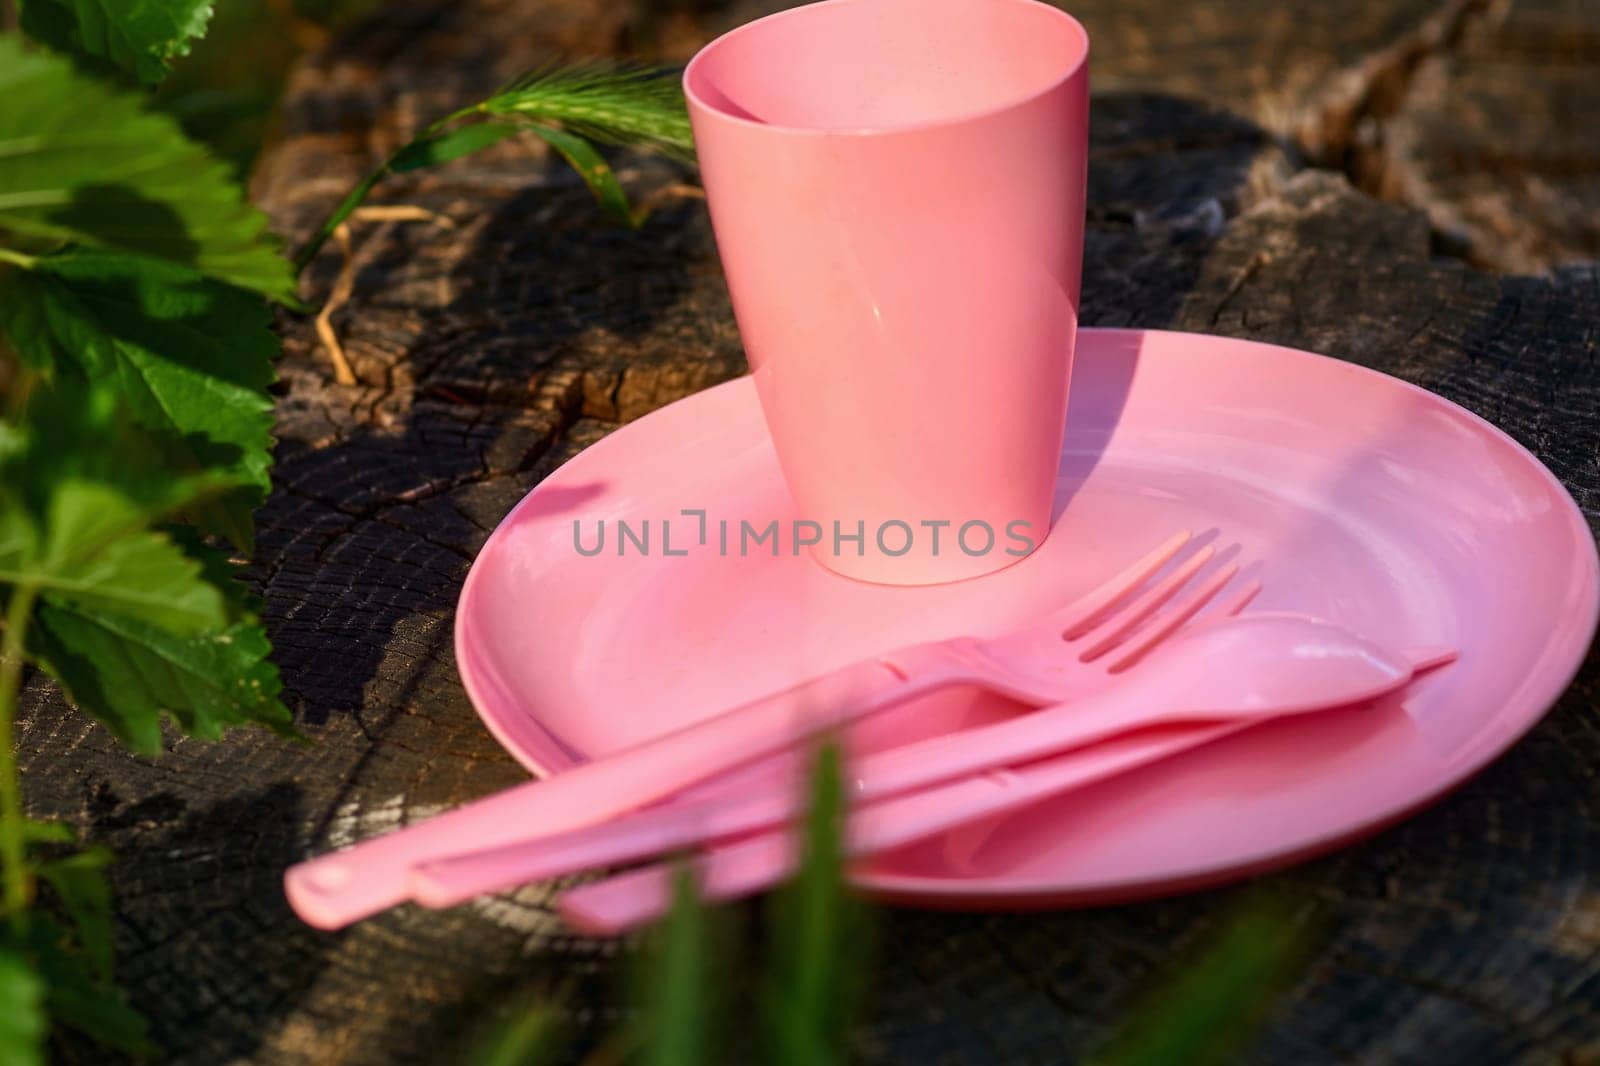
(490, 348)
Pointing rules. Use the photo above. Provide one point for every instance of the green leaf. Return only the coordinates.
(639, 107)
(82, 161)
(94, 556)
(678, 984)
(76, 500)
(23, 1023)
(132, 622)
(818, 936)
(594, 170)
(443, 147)
(48, 833)
(74, 994)
(79, 882)
(128, 674)
(140, 37)
(191, 357)
(219, 571)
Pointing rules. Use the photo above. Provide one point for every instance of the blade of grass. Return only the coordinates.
(817, 938)
(1206, 1012)
(679, 986)
(569, 107)
(595, 172)
(531, 1035)
(427, 151)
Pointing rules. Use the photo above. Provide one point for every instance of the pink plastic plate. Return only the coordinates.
(1350, 495)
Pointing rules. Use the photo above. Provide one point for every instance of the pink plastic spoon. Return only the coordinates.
(1230, 672)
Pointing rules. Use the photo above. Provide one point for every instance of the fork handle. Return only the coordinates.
(758, 862)
(333, 890)
(773, 799)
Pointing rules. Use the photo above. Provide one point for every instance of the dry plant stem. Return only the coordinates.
(678, 190)
(401, 213)
(337, 299)
(12, 870)
(344, 285)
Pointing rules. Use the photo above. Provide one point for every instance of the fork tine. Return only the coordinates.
(1089, 611)
(1149, 603)
(1240, 601)
(1181, 614)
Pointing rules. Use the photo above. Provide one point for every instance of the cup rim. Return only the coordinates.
(1071, 71)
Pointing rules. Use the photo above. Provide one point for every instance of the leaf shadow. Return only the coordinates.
(118, 210)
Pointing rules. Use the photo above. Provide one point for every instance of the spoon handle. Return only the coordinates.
(756, 863)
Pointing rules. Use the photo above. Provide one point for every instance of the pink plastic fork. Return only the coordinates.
(771, 800)
(1061, 656)
(1277, 666)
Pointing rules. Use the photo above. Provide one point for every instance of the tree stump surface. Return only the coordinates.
(495, 343)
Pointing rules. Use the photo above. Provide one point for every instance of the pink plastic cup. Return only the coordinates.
(897, 191)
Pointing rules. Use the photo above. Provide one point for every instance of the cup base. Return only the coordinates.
(957, 559)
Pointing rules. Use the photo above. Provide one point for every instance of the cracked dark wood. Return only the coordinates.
(1480, 113)
(491, 350)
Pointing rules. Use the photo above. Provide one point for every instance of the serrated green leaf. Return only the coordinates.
(219, 571)
(73, 431)
(132, 622)
(76, 501)
(592, 167)
(93, 555)
(191, 357)
(23, 1023)
(443, 147)
(128, 674)
(140, 37)
(82, 161)
(79, 883)
(74, 995)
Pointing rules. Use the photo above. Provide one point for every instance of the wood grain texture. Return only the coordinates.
(490, 351)
(1498, 136)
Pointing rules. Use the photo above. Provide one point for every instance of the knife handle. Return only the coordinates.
(336, 889)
